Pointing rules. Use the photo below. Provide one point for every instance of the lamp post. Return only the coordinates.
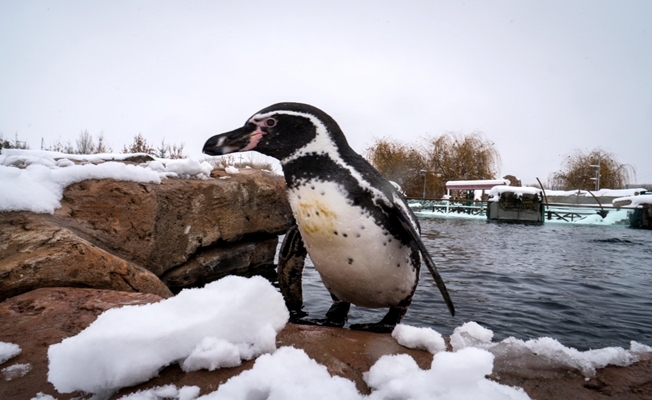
(425, 175)
(597, 172)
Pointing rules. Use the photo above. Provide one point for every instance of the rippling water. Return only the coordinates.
(586, 286)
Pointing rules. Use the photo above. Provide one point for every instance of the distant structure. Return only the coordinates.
(513, 181)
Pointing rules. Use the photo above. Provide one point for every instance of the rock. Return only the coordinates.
(215, 262)
(42, 317)
(37, 319)
(159, 226)
(35, 253)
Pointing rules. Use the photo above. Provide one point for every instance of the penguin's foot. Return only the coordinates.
(377, 327)
(387, 324)
(318, 322)
(336, 316)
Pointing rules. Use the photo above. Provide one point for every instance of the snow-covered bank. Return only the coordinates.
(34, 180)
(218, 326)
(209, 328)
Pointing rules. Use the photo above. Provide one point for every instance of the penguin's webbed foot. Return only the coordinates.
(336, 316)
(387, 324)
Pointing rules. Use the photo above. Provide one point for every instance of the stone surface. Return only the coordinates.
(215, 262)
(159, 226)
(35, 253)
(43, 317)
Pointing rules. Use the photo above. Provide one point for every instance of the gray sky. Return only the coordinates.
(538, 78)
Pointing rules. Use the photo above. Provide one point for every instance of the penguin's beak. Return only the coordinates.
(241, 139)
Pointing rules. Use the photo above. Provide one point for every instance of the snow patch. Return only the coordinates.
(129, 345)
(8, 351)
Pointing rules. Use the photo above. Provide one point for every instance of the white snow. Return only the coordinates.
(597, 193)
(8, 351)
(131, 344)
(15, 371)
(496, 191)
(452, 376)
(43, 396)
(34, 180)
(632, 201)
(165, 392)
(231, 170)
(547, 350)
(419, 338)
(237, 318)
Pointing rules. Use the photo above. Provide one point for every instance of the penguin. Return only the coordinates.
(358, 230)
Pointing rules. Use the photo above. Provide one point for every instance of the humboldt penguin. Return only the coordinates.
(359, 232)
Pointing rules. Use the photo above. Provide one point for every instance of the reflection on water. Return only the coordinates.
(586, 286)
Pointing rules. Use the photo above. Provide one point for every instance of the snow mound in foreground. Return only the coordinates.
(229, 320)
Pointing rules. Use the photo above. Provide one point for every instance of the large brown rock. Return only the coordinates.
(215, 262)
(37, 319)
(35, 253)
(43, 317)
(159, 226)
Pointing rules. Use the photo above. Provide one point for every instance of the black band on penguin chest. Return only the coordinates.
(321, 167)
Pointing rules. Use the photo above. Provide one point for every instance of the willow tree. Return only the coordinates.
(580, 171)
(400, 163)
(455, 157)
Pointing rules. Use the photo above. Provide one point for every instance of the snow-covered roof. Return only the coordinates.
(484, 184)
(632, 200)
(496, 191)
(597, 193)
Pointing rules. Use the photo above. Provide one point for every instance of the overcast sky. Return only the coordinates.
(538, 78)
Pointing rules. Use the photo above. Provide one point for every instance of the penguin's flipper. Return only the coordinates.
(409, 225)
(291, 260)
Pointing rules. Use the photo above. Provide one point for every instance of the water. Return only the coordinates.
(588, 287)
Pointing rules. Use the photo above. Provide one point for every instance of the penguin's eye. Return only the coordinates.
(270, 122)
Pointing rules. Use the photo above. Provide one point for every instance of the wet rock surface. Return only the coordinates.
(43, 317)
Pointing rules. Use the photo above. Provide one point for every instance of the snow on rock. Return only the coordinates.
(8, 351)
(43, 396)
(37, 178)
(165, 392)
(452, 376)
(231, 170)
(419, 338)
(546, 349)
(187, 168)
(15, 371)
(131, 344)
(471, 334)
(287, 374)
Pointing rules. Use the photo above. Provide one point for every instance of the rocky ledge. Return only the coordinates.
(37, 319)
(146, 237)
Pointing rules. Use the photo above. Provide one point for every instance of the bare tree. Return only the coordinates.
(139, 145)
(581, 170)
(176, 151)
(463, 157)
(102, 146)
(400, 163)
(85, 144)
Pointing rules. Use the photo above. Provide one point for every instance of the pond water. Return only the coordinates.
(587, 286)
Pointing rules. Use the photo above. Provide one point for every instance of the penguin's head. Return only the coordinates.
(277, 131)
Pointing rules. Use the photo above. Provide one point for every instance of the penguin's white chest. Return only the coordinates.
(358, 260)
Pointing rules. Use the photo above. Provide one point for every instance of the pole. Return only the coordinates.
(425, 175)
